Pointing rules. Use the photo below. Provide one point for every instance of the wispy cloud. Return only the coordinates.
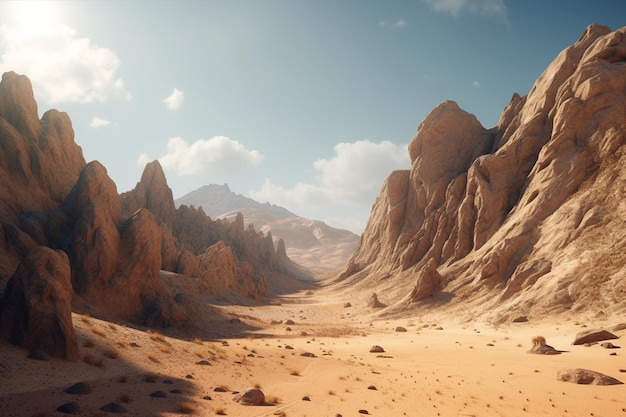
(97, 122)
(476, 83)
(174, 100)
(398, 24)
(476, 7)
(349, 182)
(218, 155)
(63, 67)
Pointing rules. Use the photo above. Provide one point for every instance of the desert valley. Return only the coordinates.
(490, 279)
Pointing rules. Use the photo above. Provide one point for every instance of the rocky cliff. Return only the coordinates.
(67, 234)
(526, 217)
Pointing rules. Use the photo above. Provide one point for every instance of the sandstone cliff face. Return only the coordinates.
(531, 211)
(36, 310)
(54, 205)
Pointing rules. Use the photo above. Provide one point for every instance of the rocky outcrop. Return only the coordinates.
(36, 309)
(586, 377)
(528, 212)
(114, 246)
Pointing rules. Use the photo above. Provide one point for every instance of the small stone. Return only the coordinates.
(376, 349)
(69, 408)
(306, 398)
(114, 408)
(400, 329)
(80, 388)
(203, 363)
(158, 394)
(219, 389)
(372, 387)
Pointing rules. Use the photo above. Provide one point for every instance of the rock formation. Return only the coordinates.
(530, 211)
(66, 232)
(35, 312)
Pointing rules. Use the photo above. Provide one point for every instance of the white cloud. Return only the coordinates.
(349, 182)
(400, 24)
(218, 155)
(62, 67)
(476, 83)
(174, 100)
(97, 122)
(476, 7)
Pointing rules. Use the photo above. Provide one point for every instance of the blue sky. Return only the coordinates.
(305, 104)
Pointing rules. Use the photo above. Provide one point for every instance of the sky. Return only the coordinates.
(305, 104)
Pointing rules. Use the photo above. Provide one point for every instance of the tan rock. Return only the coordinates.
(491, 215)
(36, 309)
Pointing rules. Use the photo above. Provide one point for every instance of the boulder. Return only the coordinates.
(35, 311)
(373, 301)
(250, 396)
(592, 336)
(586, 377)
(541, 348)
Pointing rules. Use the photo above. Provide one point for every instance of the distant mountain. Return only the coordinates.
(310, 243)
(216, 200)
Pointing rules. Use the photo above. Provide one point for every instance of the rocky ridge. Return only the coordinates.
(63, 219)
(528, 213)
(310, 243)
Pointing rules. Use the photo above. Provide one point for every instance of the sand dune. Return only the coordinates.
(319, 365)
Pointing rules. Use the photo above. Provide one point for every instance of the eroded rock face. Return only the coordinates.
(508, 211)
(36, 309)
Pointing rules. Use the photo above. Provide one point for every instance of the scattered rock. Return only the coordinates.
(189, 376)
(586, 377)
(308, 354)
(609, 345)
(220, 389)
(541, 348)
(362, 411)
(290, 322)
(176, 391)
(225, 343)
(168, 382)
(618, 327)
(520, 319)
(376, 349)
(373, 302)
(114, 408)
(593, 335)
(204, 363)
(400, 329)
(306, 398)
(372, 387)
(80, 388)
(347, 305)
(69, 408)
(235, 321)
(207, 398)
(251, 396)
(288, 347)
(287, 329)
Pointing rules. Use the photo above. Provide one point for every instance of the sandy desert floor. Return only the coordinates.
(319, 366)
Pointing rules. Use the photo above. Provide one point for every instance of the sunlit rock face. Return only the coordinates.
(530, 212)
(115, 247)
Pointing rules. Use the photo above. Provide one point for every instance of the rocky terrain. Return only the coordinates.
(524, 218)
(489, 280)
(106, 253)
(310, 243)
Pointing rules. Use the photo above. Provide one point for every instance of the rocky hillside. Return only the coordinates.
(310, 243)
(68, 239)
(216, 200)
(528, 217)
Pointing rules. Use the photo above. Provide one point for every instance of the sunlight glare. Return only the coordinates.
(34, 16)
